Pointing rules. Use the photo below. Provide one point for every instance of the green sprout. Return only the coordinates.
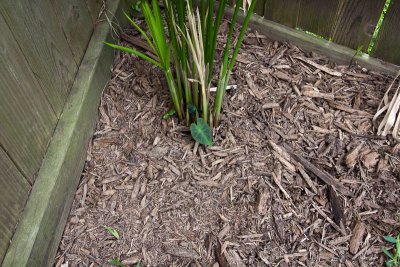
(116, 262)
(393, 258)
(112, 231)
(357, 53)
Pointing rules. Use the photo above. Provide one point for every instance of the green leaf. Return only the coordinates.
(390, 263)
(390, 239)
(192, 109)
(387, 253)
(116, 262)
(137, 6)
(141, 32)
(112, 231)
(170, 113)
(132, 51)
(201, 132)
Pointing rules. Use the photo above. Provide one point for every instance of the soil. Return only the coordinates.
(296, 176)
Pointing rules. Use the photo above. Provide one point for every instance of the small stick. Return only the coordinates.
(334, 225)
(324, 176)
(323, 68)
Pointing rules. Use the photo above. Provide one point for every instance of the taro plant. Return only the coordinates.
(188, 55)
(393, 259)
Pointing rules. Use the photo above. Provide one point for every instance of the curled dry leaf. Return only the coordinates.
(390, 107)
(370, 160)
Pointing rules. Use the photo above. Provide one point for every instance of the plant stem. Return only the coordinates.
(172, 88)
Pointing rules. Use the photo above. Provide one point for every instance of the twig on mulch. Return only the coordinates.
(138, 42)
(323, 68)
(326, 217)
(324, 176)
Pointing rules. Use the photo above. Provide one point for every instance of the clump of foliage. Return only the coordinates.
(394, 259)
(187, 57)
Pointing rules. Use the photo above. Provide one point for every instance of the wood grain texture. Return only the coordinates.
(41, 39)
(282, 11)
(317, 16)
(27, 119)
(356, 22)
(38, 234)
(77, 24)
(14, 190)
(259, 8)
(387, 46)
(94, 8)
(337, 53)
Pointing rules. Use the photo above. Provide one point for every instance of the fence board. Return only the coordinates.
(259, 8)
(356, 22)
(94, 8)
(317, 16)
(14, 190)
(387, 46)
(77, 23)
(27, 120)
(37, 31)
(282, 11)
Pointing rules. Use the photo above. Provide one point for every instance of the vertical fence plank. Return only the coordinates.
(282, 11)
(27, 119)
(356, 21)
(259, 8)
(37, 31)
(317, 16)
(77, 24)
(94, 8)
(387, 46)
(14, 190)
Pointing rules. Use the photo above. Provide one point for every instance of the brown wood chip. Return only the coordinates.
(234, 259)
(356, 238)
(179, 251)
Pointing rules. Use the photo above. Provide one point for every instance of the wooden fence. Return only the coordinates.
(347, 22)
(41, 46)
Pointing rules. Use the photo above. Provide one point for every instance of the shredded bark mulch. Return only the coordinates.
(296, 177)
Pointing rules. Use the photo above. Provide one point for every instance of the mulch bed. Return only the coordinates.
(296, 177)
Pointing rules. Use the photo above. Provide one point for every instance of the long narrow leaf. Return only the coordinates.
(218, 19)
(141, 32)
(135, 52)
(242, 32)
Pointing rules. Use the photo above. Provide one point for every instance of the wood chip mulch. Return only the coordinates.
(296, 177)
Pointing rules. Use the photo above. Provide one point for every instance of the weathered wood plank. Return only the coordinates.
(387, 46)
(14, 191)
(282, 11)
(37, 31)
(27, 119)
(356, 21)
(94, 8)
(38, 234)
(318, 16)
(335, 52)
(259, 8)
(77, 24)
